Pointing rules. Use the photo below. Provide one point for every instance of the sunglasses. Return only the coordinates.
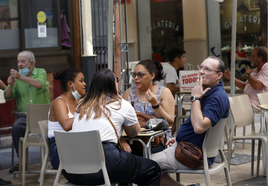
(117, 79)
(139, 74)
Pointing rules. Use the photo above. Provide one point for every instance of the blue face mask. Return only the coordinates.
(75, 94)
(24, 71)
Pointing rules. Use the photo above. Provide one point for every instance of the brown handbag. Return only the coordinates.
(119, 140)
(142, 118)
(189, 154)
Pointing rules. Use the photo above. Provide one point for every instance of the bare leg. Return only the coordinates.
(166, 180)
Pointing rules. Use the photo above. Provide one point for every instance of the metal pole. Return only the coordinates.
(121, 52)
(127, 59)
(232, 92)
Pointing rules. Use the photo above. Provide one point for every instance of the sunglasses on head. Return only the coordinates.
(139, 74)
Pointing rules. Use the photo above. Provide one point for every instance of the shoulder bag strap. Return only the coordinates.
(114, 129)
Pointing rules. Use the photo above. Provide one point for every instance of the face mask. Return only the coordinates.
(24, 71)
(75, 94)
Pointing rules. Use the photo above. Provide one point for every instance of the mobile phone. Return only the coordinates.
(145, 131)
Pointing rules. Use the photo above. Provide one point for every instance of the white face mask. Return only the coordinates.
(75, 94)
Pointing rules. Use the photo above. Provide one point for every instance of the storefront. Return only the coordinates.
(248, 28)
(49, 29)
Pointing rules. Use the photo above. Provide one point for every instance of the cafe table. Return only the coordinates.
(146, 145)
(264, 108)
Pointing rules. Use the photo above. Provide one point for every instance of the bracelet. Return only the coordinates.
(155, 106)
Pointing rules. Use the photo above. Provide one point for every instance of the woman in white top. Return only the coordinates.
(122, 166)
(61, 114)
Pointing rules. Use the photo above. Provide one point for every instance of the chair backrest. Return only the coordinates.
(44, 130)
(263, 98)
(80, 152)
(35, 113)
(213, 138)
(241, 110)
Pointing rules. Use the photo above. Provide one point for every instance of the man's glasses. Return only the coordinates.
(117, 79)
(206, 69)
(139, 74)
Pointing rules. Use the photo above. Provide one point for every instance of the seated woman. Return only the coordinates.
(61, 114)
(122, 166)
(148, 97)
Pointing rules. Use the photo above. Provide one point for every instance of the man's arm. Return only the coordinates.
(256, 84)
(33, 82)
(8, 91)
(240, 84)
(199, 122)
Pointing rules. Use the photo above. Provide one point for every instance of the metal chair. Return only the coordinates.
(80, 159)
(44, 169)
(35, 112)
(263, 99)
(211, 148)
(243, 116)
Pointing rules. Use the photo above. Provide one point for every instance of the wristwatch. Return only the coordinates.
(193, 98)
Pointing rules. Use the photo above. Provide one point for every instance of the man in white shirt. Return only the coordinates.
(177, 59)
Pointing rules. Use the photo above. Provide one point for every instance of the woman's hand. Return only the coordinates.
(150, 97)
(125, 145)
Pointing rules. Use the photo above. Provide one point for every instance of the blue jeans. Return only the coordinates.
(122, 167)
(54, 157)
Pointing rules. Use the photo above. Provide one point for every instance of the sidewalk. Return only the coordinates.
(240, 174)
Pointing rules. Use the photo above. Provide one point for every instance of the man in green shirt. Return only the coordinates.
(28, 85)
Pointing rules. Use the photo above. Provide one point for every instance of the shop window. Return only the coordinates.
(248, 27)
(9, 25)
(40, 22)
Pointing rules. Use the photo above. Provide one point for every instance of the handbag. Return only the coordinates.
(142, 118)
(159, 123)
(189, 154)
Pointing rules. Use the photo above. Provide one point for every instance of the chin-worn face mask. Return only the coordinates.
(75, 94)
(25, 71)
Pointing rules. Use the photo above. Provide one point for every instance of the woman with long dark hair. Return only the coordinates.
(61, 114)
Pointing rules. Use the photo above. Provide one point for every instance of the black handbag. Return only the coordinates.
(159, 123)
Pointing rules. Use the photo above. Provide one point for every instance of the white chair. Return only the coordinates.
(263, 99)
(80, 159)
(35, 112)
(211, 148)
(44, 169)
(243, 116)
